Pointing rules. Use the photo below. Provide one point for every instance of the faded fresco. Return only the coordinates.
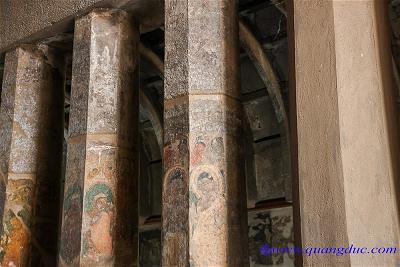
(274, 227)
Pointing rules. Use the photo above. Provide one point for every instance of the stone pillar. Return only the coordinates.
(204, 189)
(344, 120)
(31, 127)
(99, 225)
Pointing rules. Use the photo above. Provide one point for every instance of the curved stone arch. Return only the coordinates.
(153, 58)
(147, 107)
(145, 103)
(250, 172)
(267, 74)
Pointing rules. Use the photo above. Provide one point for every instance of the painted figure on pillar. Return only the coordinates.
(175, 180)
(17, 224)
(71, 229)
(13, 236)
(206, 208)
(198, 152)
(101, 162)
(99, 206)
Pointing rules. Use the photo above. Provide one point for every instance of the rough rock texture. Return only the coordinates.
(270, 179)
(204, 190)
(31, 120)
(29, 21)
(99, 226)
(346, 131)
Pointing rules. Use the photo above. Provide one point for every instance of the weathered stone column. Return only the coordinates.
(204, 189)
(99, 226)
(344, 120)
(31, 127)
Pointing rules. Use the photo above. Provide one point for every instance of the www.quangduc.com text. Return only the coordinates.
(267, 250)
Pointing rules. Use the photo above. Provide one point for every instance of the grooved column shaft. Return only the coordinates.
(31, 127)
(99, 226)
(204, 190)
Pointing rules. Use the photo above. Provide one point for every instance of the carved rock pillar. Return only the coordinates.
(344, 120)
(31, 134)
(99, 226)
(204, 189)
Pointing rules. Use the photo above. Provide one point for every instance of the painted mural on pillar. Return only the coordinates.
(273, 227)
(98, 204)
(207, 208)
(71, 228)
(13, 236)
(176, 181)
(207, 183)
(198, 152)
(175, 200)
(16, 235)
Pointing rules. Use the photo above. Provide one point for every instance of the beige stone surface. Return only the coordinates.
(346, 150)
